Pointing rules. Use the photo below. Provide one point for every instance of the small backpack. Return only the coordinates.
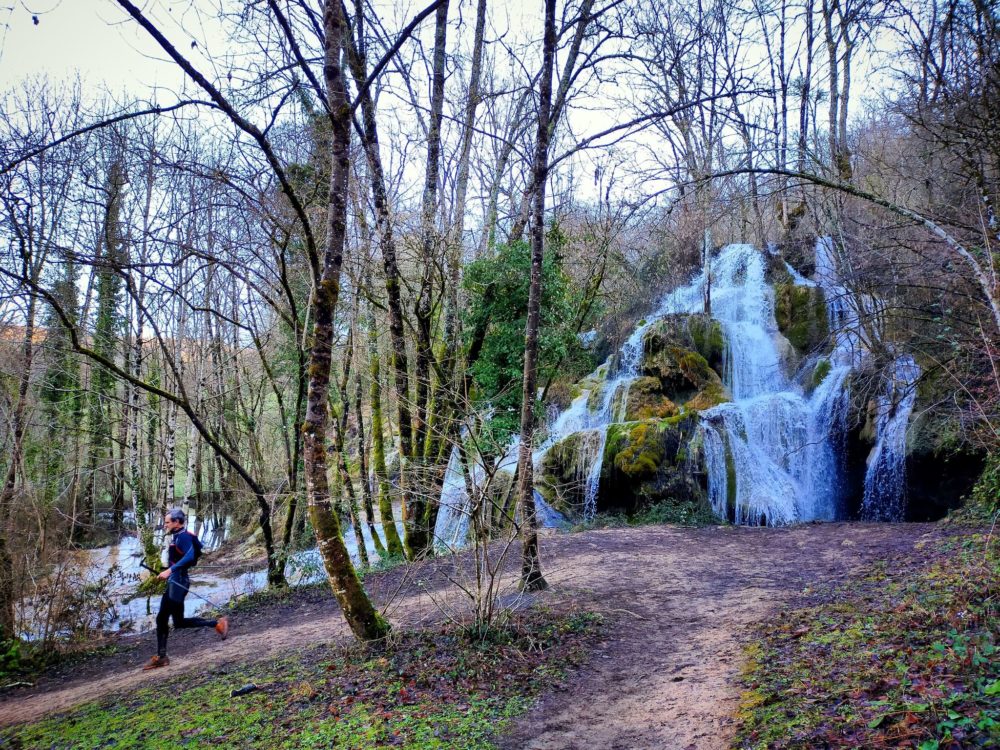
(196, 543)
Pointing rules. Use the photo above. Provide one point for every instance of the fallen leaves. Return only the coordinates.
(906, 655)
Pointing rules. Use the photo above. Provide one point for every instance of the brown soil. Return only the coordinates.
(678, 601)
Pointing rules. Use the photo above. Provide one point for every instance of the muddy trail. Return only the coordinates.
(679, 603)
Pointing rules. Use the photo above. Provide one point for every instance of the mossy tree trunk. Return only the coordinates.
(419, 537)
(362, 617)
(387, 246)
(366, 490)
(394, 544)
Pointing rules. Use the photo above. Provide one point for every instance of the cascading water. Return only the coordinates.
(775, 454)
(885, 479)
(622, 369)
(857, 319)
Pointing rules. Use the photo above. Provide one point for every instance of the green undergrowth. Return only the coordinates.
(906, 656)
(442, 688)
(679, 513)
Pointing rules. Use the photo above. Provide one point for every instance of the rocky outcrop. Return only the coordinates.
(648, 462)
(645, 400)
(800, 312)
(645, 456)
(695, 332)
(942, 466)
(683, 354)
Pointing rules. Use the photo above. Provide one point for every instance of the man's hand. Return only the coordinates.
(164, 575)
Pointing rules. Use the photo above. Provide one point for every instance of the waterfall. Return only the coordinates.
(776, 453)
(452, 525)
(619, 371)
(773, 455)
(885, 479)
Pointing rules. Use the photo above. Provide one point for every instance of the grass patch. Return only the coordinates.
(905, 656)
(428, 689)
(686, 513)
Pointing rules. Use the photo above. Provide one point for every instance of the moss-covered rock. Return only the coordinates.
(776, 272)
(681, 360)
(634, 448)
(713, 394)
(646, 400)
(707, 339)
(596, 397)
(681, 372)
(819, 373)
(650, 462)
(689, 332)
(800, 312)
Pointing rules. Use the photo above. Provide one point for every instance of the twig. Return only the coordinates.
(17, 684)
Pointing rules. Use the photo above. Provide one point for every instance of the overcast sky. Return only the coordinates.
(86, 36)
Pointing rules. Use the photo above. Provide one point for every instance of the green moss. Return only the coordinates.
(713, 394)
(986, 493)
(707, 337)
(668, 344)
(646, 400)
(694, 366)
(800, 312)
(596, 397)
(642, 455)
(820, 372)
(646, 465)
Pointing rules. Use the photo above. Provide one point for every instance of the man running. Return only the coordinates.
(180, 557)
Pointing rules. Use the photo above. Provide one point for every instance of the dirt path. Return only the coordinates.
(666, 677)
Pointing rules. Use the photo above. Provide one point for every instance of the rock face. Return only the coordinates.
(649, 461)
(684, 354)
(695, 333)
(645, 400)
(941, 466)
(800, 312)
(646, 458)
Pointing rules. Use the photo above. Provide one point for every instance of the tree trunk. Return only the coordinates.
(393, 543)
(366, 488)
(418, 537)
(362, 617)
(531, 569)
(387, 246)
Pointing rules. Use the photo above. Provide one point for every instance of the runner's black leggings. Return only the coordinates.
(172, 608)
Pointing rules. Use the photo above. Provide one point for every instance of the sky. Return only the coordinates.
(97, 39)
(86, 36)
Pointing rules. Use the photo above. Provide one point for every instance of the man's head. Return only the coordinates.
(173, 520)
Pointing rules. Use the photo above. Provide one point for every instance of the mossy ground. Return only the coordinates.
(905, 656)
(440, 688)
